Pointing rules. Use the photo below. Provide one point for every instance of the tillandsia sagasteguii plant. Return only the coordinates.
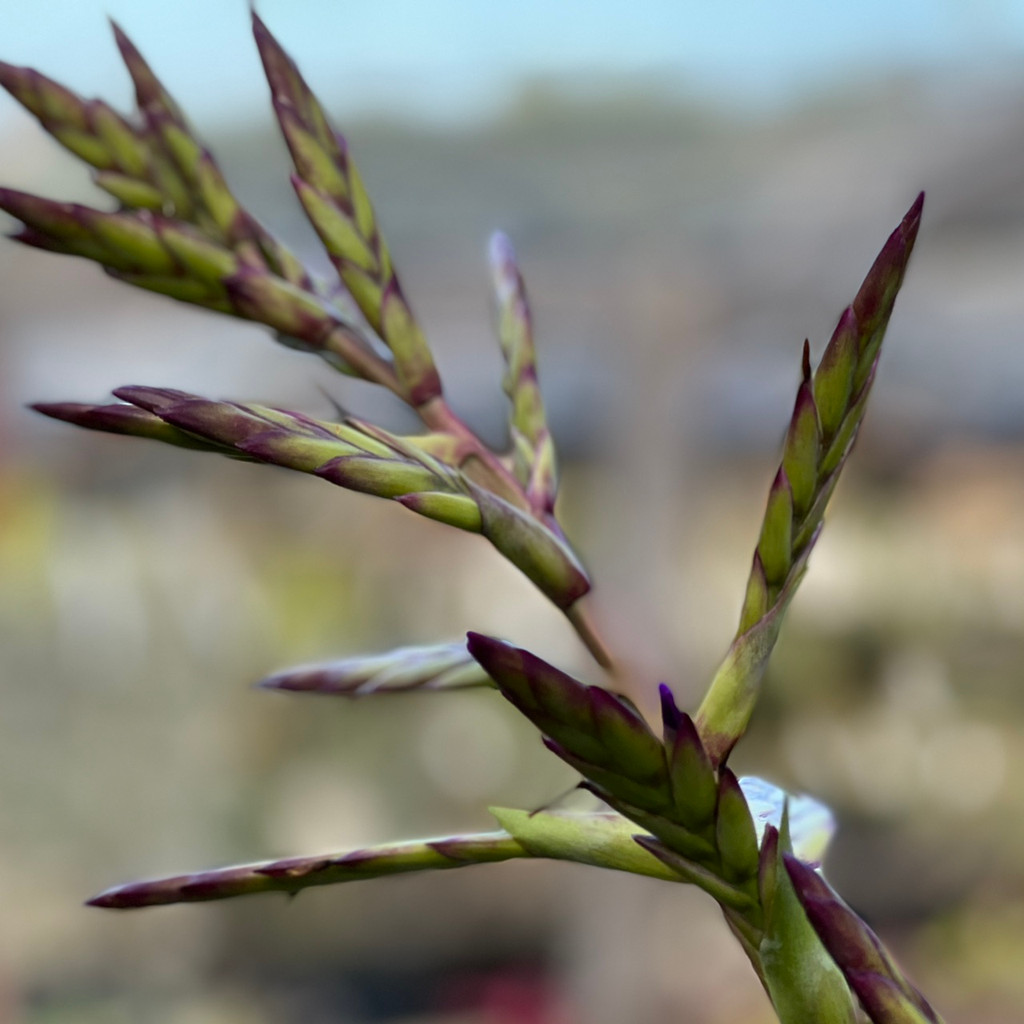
(671, 807)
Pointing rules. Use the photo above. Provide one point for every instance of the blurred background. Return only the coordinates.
(693, 189)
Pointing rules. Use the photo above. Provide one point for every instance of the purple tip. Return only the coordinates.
(259, 26)
(107, 900)
(671, 716)
(481, 646)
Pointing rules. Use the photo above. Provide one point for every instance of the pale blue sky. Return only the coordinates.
(455, 58)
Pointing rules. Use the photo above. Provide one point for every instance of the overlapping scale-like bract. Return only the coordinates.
(826, 417)
(349, 455)
(884, 991)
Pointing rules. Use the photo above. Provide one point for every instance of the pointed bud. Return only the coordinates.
(530, 683)
(555, 702)
(814, 454)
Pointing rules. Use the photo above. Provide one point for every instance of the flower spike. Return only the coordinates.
(826, 417)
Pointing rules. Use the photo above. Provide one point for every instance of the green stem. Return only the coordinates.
(348, 345)
(579, 614)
